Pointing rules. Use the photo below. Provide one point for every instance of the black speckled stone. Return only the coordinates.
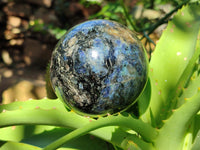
(99, 67)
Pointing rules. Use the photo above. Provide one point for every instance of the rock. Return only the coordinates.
(14, 9)
(6, 57)
(8, 73)
(151, 14)
(14, 21)
(8, 34)
(17, 42)
(23, 91)
(166, 8)
(160, 29)
(99, 67)
(13, 24)
(137, 11)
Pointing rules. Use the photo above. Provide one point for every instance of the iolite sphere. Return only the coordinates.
(99, 67)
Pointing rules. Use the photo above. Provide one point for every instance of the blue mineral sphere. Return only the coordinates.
(99, 67)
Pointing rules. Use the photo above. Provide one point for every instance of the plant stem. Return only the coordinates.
(162, 20)
(148, 38)
(151, 4)
(128, 16)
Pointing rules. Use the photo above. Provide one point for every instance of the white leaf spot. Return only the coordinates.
(178, 53)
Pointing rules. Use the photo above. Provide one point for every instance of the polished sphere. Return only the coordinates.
(99, 67)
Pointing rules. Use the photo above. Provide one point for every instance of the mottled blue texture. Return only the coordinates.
(99, 67)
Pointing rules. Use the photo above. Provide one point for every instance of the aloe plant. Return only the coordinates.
(169, 116)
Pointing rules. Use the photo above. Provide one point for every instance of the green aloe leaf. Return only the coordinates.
(18, 146)
(52, 112)
(196, 125)
(87, 142)
(20, 132)
(123, 120)
(172, 55)
(171, 135)
(44, 112)
(144, 99)
(188, 92)
(196, 143)
(33, 104)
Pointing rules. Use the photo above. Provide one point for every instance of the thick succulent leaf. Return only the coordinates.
(196, 125)
(18, 146)
(40, 136)
(171, 135)
(183, 125)
(31, 104)
(187, 144)
(171, 57)
(196, 143)
(17, 133)
(87, 142)
(125, 120)
(2, 142)
(192, 89)
(144, 99)
(52, 112)
(188, 92)
(44, 112)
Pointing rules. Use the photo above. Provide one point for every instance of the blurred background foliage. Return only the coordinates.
(143, 16)
(30, 29)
